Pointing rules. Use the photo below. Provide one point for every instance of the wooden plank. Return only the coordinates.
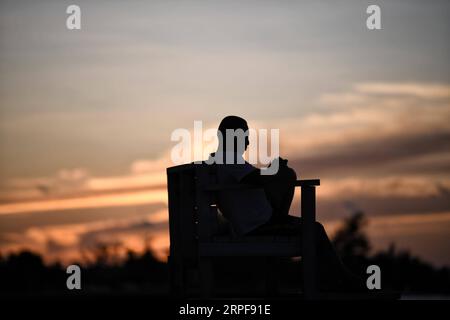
(173, 181)
(241, 186)
(187, 227)
(206, 221)
(251, 239)
(307, 183)
(257, 249)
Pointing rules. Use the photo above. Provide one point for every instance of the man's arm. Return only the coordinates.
(255, 176)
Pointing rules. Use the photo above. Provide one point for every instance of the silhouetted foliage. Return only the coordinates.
(404, 271)
(400, 270)
(350, 240)
(25, 272)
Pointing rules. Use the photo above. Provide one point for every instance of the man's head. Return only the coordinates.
(235, 128)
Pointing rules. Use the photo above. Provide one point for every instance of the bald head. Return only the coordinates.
(236, 128)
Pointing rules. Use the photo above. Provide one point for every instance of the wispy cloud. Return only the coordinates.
(97, 201)
(372, 145)
(420, 90)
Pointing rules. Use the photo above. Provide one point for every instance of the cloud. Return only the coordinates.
(420, 90)
(384, 145)
(385, 187)
(141, 166)
(131, 198)
(370, 140)
(399, 152)
(361, 93)
(359, 126)
(75, 188)
(65, 181)
(69, 241)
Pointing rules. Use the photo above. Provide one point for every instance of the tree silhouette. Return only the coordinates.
(351, 241)
(25, 273)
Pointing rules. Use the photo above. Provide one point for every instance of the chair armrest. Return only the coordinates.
(307, 183)
(239, 186)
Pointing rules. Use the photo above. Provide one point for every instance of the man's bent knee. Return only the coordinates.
(319, 227)
(288, 174)
(291, 174)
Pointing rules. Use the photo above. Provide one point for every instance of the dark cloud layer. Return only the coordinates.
(375, 155)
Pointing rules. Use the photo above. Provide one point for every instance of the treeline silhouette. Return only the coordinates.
(25, 273)
(400, 269)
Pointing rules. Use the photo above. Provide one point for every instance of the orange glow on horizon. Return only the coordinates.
(110, 200)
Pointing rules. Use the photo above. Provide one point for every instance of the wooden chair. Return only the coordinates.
(193, 226)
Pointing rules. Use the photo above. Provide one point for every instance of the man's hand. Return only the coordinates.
(281, 161)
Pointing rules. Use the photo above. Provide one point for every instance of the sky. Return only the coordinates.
(86, 115)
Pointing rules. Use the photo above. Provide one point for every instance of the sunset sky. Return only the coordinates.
(86, 115)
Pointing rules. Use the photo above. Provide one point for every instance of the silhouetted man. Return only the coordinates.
(265, 210)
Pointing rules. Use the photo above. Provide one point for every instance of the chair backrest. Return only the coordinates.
(192, 210)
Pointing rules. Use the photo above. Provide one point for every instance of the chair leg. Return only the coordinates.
(272, 272)
(206, 277)
(177, 276)
(309, 254)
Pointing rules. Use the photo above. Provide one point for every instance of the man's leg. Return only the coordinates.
(333, 274)
(279, 191)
